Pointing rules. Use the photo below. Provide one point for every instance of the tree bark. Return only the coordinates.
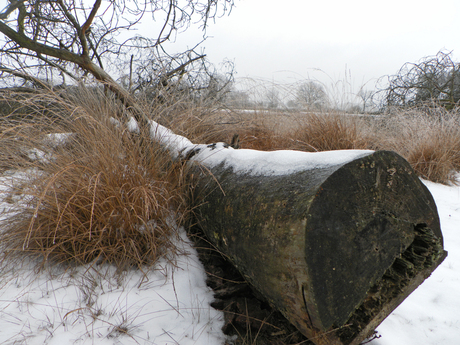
(335, 248)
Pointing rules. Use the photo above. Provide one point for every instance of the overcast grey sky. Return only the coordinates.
(288, 40)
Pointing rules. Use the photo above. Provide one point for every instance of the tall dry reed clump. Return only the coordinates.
(258, 129)
(82, 186)
(428, 138)
(325, 132)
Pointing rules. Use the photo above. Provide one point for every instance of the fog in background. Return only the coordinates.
(351, 42)
(287, 41)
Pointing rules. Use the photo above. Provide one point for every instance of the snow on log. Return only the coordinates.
(334, 240)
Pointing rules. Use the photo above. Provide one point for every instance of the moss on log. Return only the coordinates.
(334, 248)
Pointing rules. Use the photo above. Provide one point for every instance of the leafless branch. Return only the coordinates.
(24, 76)
(434, 79)
(47, 36)
(11, 7)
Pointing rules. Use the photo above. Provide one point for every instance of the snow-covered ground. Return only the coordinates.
(171, 305)
(431, 314)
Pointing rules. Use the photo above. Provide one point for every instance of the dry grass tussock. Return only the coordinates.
(428, 138)
(94, 191)
(258, 129)
(316, 132)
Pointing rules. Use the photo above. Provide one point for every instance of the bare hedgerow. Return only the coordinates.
(90, 188)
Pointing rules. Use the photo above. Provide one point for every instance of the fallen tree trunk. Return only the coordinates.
(335, 241)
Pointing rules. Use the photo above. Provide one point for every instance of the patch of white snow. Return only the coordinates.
(245, 161)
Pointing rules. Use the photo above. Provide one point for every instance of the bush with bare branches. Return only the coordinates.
(435, 79)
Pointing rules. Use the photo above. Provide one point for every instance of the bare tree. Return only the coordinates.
(273, 98)
(70, 39)
(239, 99)
(311, 95)
(366, 97)
(434, 79)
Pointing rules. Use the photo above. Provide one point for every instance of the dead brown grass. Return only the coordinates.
(429, 139)
(258, 130)
(323, 132)
(101, 193)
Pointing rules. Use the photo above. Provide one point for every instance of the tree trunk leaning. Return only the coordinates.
(335, 248)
